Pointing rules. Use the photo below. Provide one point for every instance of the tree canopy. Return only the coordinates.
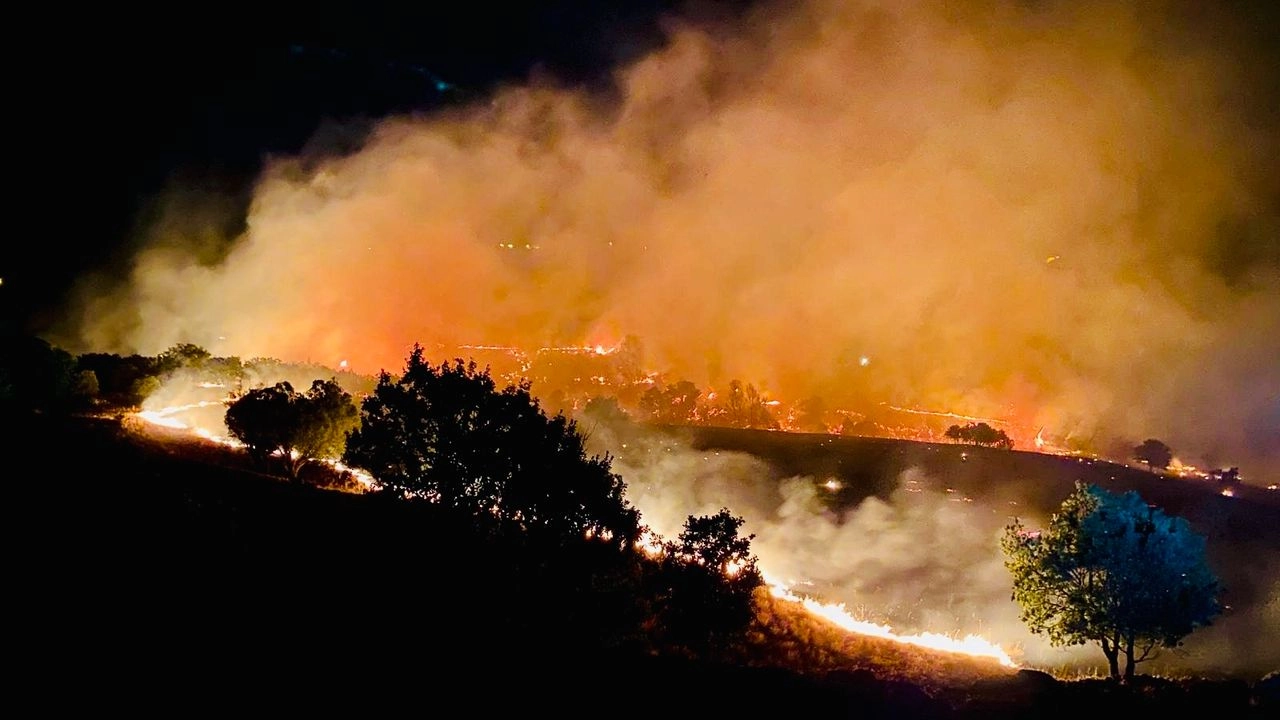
(1112, 570)
(675, 404)
(446, 433)
(980, 434)
(1154, 453)
(34, 375)
(298, 428)
(709, 577)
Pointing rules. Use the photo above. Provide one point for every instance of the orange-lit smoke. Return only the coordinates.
(777, 201)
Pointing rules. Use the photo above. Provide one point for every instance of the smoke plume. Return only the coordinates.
(1059, 213)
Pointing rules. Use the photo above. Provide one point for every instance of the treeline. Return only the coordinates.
(450, 437)
(36, 375)
(512, 480)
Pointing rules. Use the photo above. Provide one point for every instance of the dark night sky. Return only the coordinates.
(120, 105)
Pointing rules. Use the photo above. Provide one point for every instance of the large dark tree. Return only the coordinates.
(1154, 453)
(709, 579)
(1112, 570)
(297, 428)
(980, 434)
(36, 375)
(447, 434)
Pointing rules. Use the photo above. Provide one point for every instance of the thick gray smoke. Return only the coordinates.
(1061, 213)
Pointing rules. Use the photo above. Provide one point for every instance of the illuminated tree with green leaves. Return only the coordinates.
(1112, 570)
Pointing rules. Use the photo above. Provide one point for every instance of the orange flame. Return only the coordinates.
(836, 614)
(165, 417)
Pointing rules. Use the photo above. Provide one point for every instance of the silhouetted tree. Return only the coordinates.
(1154, 453)
(447, 434)
(1113, 570)
(675, 404)
(299, 428)
(39, 374)
(980, 434)
(709, 577)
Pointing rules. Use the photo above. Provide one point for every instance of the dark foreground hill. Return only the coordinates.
(152, 577)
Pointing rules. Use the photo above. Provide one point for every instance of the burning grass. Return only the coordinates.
(784, 634)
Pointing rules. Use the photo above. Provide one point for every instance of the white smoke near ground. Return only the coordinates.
(1061, 213)
(921, 560)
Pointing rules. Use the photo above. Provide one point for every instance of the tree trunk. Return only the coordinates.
(1128, 659)
(1112, 651)
(294, 466)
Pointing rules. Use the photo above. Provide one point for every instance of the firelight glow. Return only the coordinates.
(990, 210)
(836, 614)
(972, 645)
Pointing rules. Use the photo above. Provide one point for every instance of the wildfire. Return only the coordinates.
(166, 417)
(650, 544)
(951, 415)
(836, 614)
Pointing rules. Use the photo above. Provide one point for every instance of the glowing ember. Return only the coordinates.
(1273, 486)
(1228, 492)
(836, 614)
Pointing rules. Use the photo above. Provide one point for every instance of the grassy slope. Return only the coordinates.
(160, 569)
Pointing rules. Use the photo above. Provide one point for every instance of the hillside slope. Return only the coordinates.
(162, 575)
